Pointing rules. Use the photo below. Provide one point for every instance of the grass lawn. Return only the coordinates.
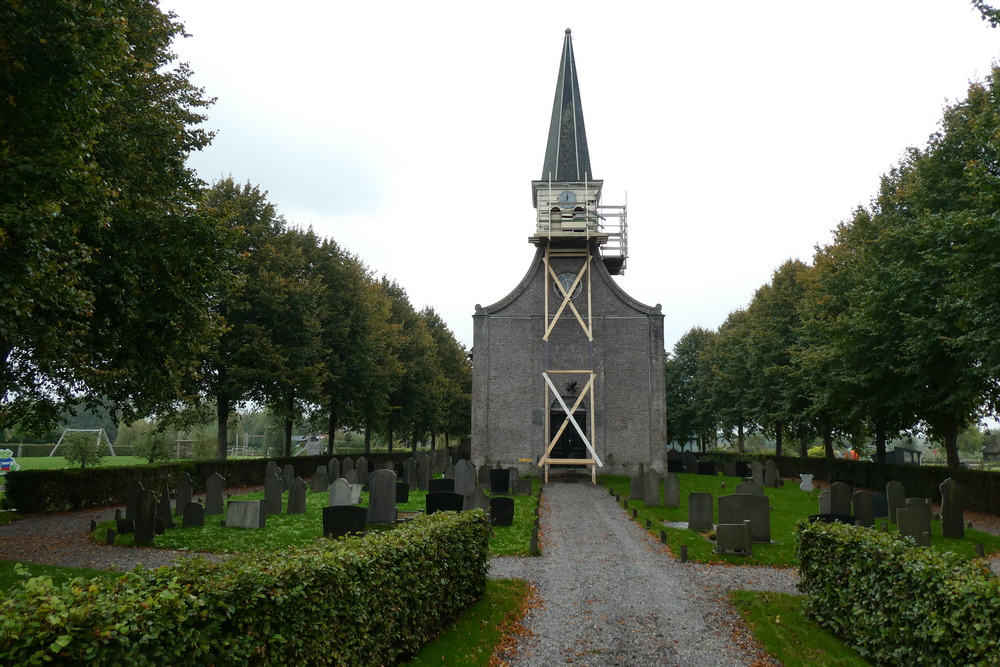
(287, 530)
(59, 462)
(790, 504)
(778, 621)
(10, 575)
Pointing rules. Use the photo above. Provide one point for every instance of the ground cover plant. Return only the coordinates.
(13, 572)
(790, 504)
(290, 530)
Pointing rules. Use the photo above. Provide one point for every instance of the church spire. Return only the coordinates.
(567, 158)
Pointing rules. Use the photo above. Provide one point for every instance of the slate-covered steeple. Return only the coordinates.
(567, 158)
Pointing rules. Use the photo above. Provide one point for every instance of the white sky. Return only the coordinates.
(410, 132)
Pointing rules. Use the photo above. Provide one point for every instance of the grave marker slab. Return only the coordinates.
(896, 497)
(333, 470)
(707, 468)
(361, 467)
(750, 489)
(690, 462)
(651, 483)
(729, 468)
(194, 515)
(701, 511)
(273, 494)
(465, 477)
(733, 538)
(739, 507)
(881, 505)
(163, 510)
(824, 502)
(132, 500)
(757, 471)
(441, 485)
(423, 472)
(410, 471)
(346, 465)
(339, 520)
(477, 500)
(864, 508)
(500, 480)
(671, 490)
(444, 502)
(319, 482)
(840, 498)
(522, 487)
(502, 511)
(297, 496)
(340, 493)
(145, 518)
(952, 517)
(287, 475)
(402, 492)
(915, 520)
(772, 478)
(351, 476)
(245, 514)
(213, 494)
(184, 493)
(382, 497)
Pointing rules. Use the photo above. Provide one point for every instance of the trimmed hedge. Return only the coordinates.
(357, 601)
(897, 603)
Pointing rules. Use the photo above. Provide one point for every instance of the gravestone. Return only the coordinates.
(500, 480)
(443, 502)
(824, 501)
(449, 470)
(522, 487)
(124, 526)
(361, 467)
(271, 469)
(145, 519)
(707, 468)
(635, 488)
(477, 500)
(742, 469)
(757, 472)
(410, 471)
(355, 494)
(881, 503)
(163, 510)
(132, 500)
(351, 476)
(273, 487)
(807, 482)
(184, 494)
(749, 488)
(441, 485)
(346, 466)
(297, 496)
(502, 511)
(739, 507)
(319, 482)
(733, 538)
(772, 478)
(423, 472)
(915, 520)
(840, 498)
(340, 493)
(339, 520)
(700, 511)
(332, 470)
(515, 475)
(194, 516)
(465, 477)
(671, 490)
(213, 494)
(245, 514)
(864, 508)
(952, 517)
(651, 482)
(382, 497)
(896, 497)
(675, 465)
(402, 492)
(729, 468)
(287, 475)
(690, 462)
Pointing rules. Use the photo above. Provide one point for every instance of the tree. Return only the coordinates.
(730, 377)
(453, 412)
(83, 449)
(687, 373)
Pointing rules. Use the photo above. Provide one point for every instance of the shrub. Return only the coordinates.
(357, 601)
(897, 603)
(155, 446)
(83, 449)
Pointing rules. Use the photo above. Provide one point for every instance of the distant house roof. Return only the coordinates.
(993, 446)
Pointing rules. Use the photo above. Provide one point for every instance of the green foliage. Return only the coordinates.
(83, 449)
(156, 446)
(360, 601)
(12, 573)
(897, 603)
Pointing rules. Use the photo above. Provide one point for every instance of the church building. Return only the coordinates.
(568, 368)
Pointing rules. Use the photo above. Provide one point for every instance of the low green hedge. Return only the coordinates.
(354, 601)
(897, 603)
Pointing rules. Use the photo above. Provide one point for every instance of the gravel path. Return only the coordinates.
(609, 595)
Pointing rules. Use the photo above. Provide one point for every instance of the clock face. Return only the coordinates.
(566, 280)
(566, 199)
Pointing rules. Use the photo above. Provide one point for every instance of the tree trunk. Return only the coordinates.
(415, 438)
(828, 442)
(368, 439)
(288, 437)
(779, 432)
(331, 428)
(881, 437)
(222, 432)
(433, 441)
(447, 444)
(390, 436)
(803, 444)
(740, 442)
(951, 445)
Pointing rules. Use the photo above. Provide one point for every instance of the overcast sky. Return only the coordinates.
(741, 132)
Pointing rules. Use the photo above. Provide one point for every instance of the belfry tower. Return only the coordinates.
(567, 368)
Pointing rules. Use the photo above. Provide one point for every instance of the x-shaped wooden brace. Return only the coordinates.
(570, 419)
(567, 300)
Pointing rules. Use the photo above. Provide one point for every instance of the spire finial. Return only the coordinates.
(568, 31)
(567, 157)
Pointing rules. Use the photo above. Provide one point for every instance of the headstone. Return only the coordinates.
(333, 470)
(339, 520)
(297, 496)
(355, 494)
(500, 480)
(864, 508)
(729, 468)
(840, 498)
(757, 471)
(145, 519)
(896, 497)
(824, 501)
(675, 465)
(340, 493)
(163, 509)
(807, 482)
(651, 482)
(477, 500)
(502, 511)
(515, 475)
(382, 497)
(707, 468)
(952, 517)
(271, 469)
(213, 494)
(184, 493)
(915, 520)
(273, 487)
(402, 492)
(319, 482)
(749, 488)
(440, 485)
(444, 502)
(738, 507)
(733, 538)
(671, 490)
(361, 467)
(881, 505)
(345, 466)
(352, 476)
(109, 538)
(772, 478)
(132, 500)
(125, 526)
(465, 477)
(521, 487)
(700, 511)
(690, 462)
(635, 488)
(410, 471)
(194, 515)
(245, 514)
(423, 472)
(287, 475)
(449, 470)
(742, 469)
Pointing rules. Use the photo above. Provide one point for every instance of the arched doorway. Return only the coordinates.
(570, 444)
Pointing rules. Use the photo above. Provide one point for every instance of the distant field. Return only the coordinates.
(59, 462)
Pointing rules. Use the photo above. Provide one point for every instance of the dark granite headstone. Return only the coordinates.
(840, 498)
(502, 511)
(333, 470)
(184, 494)
(145, 519)
(742, 469)
(477, 500)
(733, 538)
(500, 480)
(651, 483)
(423, 472)
(410, 471)
(382, 497)
(319, 482)
(194, 516)
(341, 520)
(915, 520)
(444, 502)
(132, 500)
(881, 505)
(896, 497)
(690, 462)
(109, 538)
(402, 492)
(163, 510)
(124, 526)
(287, 475)
(952, 516)
(297, 496)
(273, 492)
(361, 467)
(701, 511)
(441, 485)
(864, 508)
(672, 490)
(739, 507)
(213, 493)
(675, 465)
(706, 468)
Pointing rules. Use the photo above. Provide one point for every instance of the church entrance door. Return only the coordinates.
(570, 444)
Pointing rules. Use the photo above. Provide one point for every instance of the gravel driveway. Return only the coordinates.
(609, 595)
